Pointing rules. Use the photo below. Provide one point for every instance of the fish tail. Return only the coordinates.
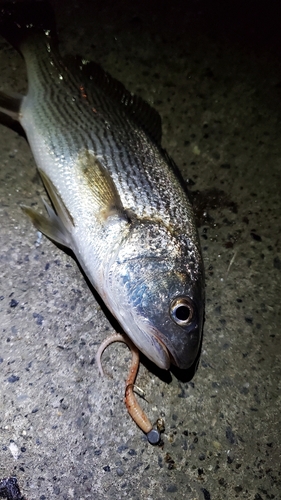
(21, 20)
(10, 104)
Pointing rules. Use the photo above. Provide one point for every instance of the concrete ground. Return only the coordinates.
(214, 75)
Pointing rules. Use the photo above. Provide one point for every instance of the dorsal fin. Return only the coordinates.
(135, 107)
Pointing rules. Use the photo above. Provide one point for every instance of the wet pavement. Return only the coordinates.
(215, 78)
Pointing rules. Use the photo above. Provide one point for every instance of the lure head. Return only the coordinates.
(158, 293)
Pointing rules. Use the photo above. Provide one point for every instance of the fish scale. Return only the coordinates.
(126, 168)
(118, 200)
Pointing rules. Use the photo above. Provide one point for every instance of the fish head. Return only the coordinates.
(176, 315)
(159, 299)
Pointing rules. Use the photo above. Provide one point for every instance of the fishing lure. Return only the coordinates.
(133, 407)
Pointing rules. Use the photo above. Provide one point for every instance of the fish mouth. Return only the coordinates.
(183, 364)
(149, 342)
(163, 352)
(183, 356)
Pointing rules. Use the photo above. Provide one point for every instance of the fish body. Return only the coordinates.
(119, 202)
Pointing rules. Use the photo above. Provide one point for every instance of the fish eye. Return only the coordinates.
(181, 311)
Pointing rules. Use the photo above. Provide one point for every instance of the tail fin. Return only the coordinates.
(10, 104)
(20, 20)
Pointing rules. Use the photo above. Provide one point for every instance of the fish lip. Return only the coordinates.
(182, 361)
(167, 353)
(165, 359)
(179, 364)
(190, 354)
(172, 358)
(185, 359)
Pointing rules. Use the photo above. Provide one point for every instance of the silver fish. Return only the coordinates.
(118, 200)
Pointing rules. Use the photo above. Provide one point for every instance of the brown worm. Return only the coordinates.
(133, 407)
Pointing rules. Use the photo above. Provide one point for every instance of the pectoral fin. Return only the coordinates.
(62, 211)
(103, 189)
(51, 226)
(58, 226)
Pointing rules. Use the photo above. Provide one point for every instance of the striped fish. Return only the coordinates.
(118, 201)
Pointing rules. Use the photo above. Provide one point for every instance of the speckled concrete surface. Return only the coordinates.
(64, 431)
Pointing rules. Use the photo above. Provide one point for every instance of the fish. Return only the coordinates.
(118, 200)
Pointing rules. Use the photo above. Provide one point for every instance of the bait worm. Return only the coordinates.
(133, 407)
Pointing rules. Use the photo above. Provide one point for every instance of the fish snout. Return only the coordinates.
(184, 352)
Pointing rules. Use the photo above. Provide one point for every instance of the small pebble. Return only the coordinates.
(13, 303)
(12, 379)
(172, 488)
